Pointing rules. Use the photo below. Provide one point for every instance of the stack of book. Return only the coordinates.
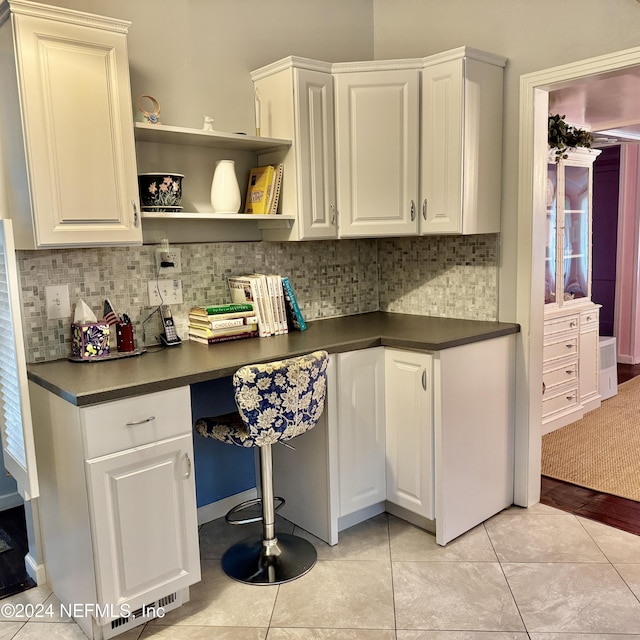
(211, 324)
(263, 190)
(274, 302)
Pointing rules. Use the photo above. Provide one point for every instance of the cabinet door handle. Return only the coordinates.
(573, 323)
(136, 217)
(413, 211)
(424, 379)
(424, 209)
(137, 422)
(333, 213)
(187, 460)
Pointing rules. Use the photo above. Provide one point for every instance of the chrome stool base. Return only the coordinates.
(258, 561)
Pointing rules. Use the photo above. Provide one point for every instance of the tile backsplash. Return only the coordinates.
(453, 276)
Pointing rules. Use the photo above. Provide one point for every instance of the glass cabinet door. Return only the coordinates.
(575, 236)
(550, 259)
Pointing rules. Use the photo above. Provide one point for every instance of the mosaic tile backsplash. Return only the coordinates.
(440, 276)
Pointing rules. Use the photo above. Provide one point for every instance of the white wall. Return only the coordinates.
(195, 56)
(534, 36)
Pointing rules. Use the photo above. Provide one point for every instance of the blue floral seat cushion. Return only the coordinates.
(276, 401)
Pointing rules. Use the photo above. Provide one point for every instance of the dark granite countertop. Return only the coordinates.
(84, 383)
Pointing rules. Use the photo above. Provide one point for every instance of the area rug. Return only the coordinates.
(602, 450)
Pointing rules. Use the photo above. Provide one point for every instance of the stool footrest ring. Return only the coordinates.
(278, 502)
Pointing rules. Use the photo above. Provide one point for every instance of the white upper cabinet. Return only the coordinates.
(418, 144)
(297, 102)
(377, 132)
(461, 143)
(66, 126)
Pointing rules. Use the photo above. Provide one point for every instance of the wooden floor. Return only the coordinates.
(617, 512)
(13, 575)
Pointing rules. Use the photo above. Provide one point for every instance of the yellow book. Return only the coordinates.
(259, 189)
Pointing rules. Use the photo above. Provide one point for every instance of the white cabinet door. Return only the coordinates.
(144, 526)
(75, 100)
(377, 129)
(588, 364)
(361, 430)
(315, 155)
(461, 147)
(409, 423)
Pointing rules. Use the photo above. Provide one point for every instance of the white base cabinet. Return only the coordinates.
(426, 436)
(66, 126)
(118, 507)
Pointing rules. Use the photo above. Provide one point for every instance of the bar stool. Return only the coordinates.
(276, 401)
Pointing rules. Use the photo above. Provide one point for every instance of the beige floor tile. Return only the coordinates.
(219, 601)
(409, 543)
(350, 594)
(9, 629)
(368, 540)
(56, 631)
(617, 546)
(453, 595)
(631, 575)
(542, 538)
(331, 634)
(573, 598)
(583, 636)
(19, 606)
(461, 635)
(537, 509)
(202, 633)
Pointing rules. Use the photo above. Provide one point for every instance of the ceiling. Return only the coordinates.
(608, 105)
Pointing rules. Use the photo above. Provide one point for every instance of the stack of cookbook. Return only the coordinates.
(215, 323)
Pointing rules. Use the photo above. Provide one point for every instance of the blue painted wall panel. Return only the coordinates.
(221, 470)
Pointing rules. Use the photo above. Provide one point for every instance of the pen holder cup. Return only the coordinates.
(124, 336)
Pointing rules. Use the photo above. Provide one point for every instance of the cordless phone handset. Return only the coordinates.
(169, 337)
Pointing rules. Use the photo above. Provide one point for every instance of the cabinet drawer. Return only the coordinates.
(588, 318)
(123, 424)
(568, 346)
(565, 400)
(560, 375)
(559, 325)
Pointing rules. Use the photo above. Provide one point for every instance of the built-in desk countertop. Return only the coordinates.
(85, 383)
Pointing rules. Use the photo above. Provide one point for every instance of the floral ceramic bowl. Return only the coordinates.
(159, 190)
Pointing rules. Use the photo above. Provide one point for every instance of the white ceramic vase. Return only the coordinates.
(225, 192)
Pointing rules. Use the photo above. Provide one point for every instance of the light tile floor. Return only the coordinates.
(535, 573)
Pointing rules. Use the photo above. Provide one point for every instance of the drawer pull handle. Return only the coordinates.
(573, 323)
(588, 318)
(570, 345)
(187, 460)
(569, 371)
(571, 397)
(137, 422)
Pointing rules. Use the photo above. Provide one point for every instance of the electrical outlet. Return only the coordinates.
(170, 290)
(170, 255)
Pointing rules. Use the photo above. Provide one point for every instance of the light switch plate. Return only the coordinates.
(57, 301)
(170, 290)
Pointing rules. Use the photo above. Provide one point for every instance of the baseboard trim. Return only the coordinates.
(218, 509)
(352, 519)
(10, 500)
(34, 570)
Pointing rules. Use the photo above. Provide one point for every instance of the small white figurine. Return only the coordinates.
(208, 124)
